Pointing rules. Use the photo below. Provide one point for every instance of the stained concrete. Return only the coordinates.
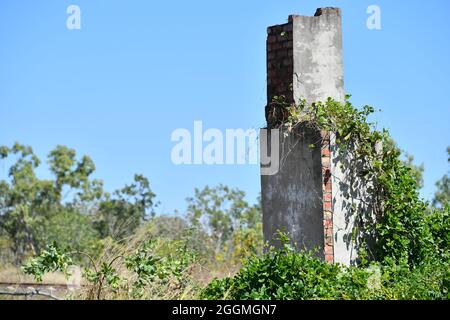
(318, 63)
(352, 204)
(292, 198)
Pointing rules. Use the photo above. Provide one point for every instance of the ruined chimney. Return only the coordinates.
(306, 198)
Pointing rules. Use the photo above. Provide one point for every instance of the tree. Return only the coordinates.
(222, 212)
(71, 230)
(121, 213)
(442, 195)
(71, 209)
(408, 161)
(26, 202)
(416, 170)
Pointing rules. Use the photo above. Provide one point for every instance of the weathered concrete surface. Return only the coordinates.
(292, 199)
(318, 64)
(352, 204)
(345, 250)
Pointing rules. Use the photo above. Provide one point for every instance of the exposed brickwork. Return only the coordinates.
(280, 76)
(279, 69)
(327, 198)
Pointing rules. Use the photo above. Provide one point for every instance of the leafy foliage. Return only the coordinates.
(285, 274)
(26, 202)
(412, 245)
(70, 229)
(154, 261)
(399, 226)
(118, 216)
(416, 170)
(50, 260)
(128, 253)
(150, 265)
(288, 275)
(232, 225)
(442, 195)
(71, 209)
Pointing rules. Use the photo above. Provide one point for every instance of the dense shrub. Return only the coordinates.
(410, 258)
(404, 247)
(70, 229)
(288, 275)
(285, 274)
(135, 269)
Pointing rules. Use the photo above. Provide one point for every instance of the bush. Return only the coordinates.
(439, 225)
(72, 231)
(289, 275)
(286, 274)
(137, 268)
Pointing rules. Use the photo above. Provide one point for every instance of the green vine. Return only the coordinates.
(398, 230)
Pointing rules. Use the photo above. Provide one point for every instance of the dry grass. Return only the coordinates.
(11, 274)
(204, 274)
(197, 275)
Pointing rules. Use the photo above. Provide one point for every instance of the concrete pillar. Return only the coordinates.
(306, 198)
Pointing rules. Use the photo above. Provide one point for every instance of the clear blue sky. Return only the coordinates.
(137, 70)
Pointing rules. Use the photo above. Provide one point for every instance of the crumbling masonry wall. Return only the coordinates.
(309, 196)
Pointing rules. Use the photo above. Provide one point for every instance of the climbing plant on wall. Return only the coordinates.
(399, 227)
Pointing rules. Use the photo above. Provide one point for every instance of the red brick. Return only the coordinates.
(326, 152)
(275, 81)
(282, 54)
(328, 250)
(327, 205)
(329, 258)
(326, 161)
(271, 39)
(288, 44)
(271, 66)
(287, 27)
(272, 74)
(327, 196)
(328, 224)
(271, 56)
(275, 29)
(287, 62)
(275, 46)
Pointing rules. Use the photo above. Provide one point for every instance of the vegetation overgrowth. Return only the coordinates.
(216, 249)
